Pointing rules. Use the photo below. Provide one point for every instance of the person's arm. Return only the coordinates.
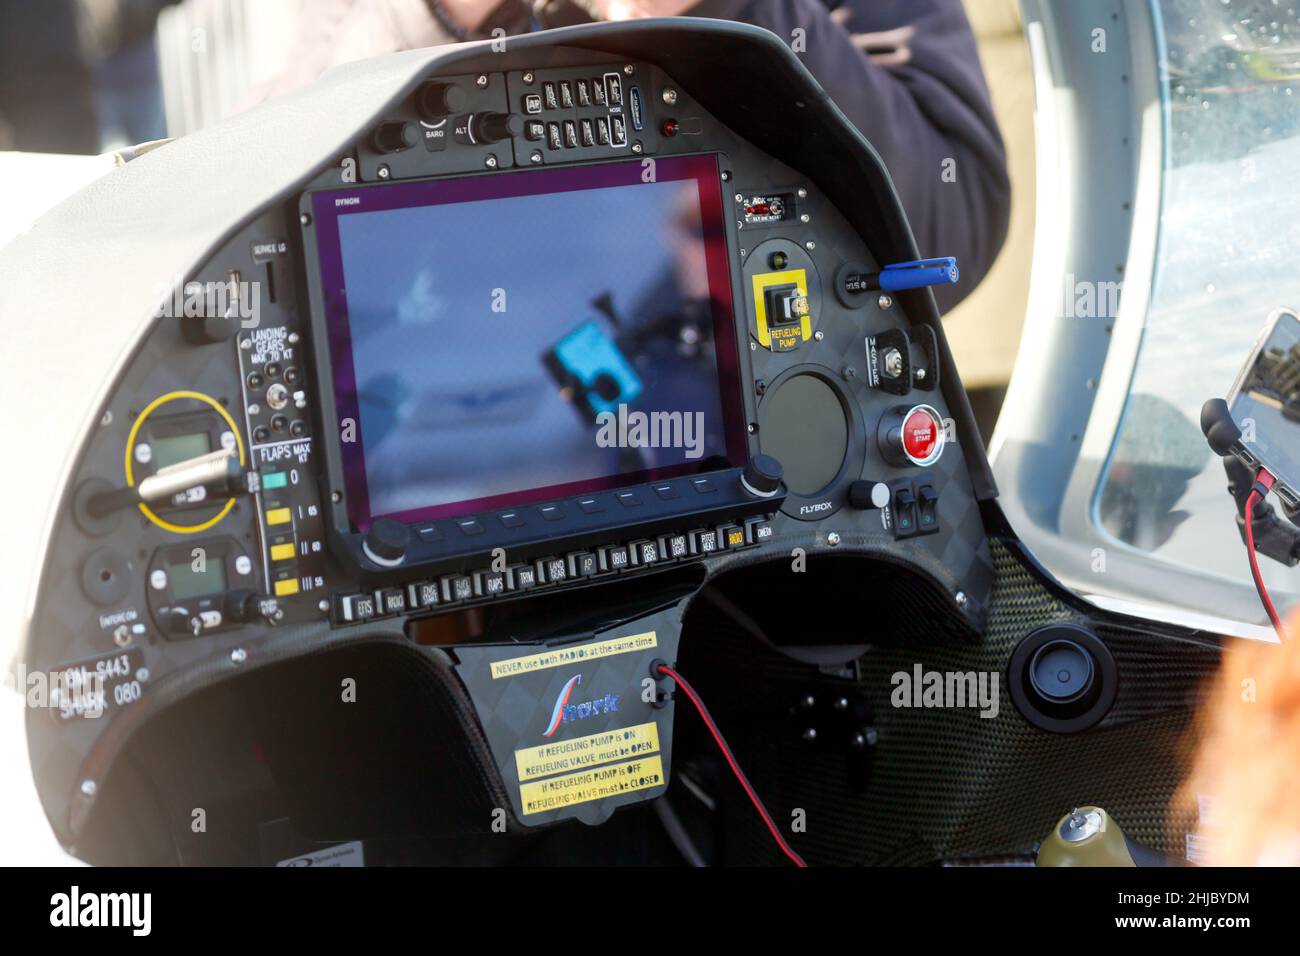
(921, 105)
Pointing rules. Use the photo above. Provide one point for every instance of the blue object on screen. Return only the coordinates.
(588, 354)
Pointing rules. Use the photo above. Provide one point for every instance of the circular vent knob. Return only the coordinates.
(1062, 678)
(1061, 673)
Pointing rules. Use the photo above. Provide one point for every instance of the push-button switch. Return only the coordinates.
(614, 558)
(489, 583)
(674, 546)
(391, 601)
(523, 577)
(422, 594)
(355, 607)
(583, 564)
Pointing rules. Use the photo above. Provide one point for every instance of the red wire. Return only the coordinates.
(1265, 479)
(735, 767)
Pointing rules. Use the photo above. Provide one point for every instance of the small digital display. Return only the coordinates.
(496, 340)
(1267, 405)
(184, 581)
(170, 449)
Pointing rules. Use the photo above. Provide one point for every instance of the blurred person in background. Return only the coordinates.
(1243, 794)
(905, 72)
(79, 76)
(46, 103)
(119, 35)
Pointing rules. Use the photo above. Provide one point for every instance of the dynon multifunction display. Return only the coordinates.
(501, 340)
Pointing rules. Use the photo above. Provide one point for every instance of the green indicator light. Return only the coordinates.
(274, 479)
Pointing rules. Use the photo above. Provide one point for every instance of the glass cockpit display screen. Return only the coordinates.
(504, 339)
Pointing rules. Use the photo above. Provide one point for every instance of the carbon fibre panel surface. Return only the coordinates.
(944, 784)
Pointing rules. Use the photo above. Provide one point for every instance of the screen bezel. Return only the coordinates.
(333, 347)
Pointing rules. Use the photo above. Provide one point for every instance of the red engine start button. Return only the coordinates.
(922, 435)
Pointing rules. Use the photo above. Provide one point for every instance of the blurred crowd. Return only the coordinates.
(79, 76)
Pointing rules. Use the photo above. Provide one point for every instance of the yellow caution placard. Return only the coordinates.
(567, 756)
(577, 654)
(556, 793)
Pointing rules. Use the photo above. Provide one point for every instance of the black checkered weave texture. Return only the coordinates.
(943, 785)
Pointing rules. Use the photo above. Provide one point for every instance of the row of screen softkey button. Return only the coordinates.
(486, 584)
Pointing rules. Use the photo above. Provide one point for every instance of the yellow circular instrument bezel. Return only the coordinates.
(130, 444)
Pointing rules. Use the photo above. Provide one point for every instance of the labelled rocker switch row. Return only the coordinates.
(912, 503)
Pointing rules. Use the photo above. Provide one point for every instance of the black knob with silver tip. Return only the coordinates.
(209, 329)
(436, 101)
(244, 605)
(762, 476)
(868, 494)
(386, 542)
(393, 137)
(494, 127)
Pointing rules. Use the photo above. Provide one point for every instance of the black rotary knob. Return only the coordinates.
(494, 127)
(869, 494)
(386, 542)
(762, 476)
(394, 137)
(436, 101)
(208, 329)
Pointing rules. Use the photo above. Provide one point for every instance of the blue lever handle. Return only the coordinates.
(918, 274)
